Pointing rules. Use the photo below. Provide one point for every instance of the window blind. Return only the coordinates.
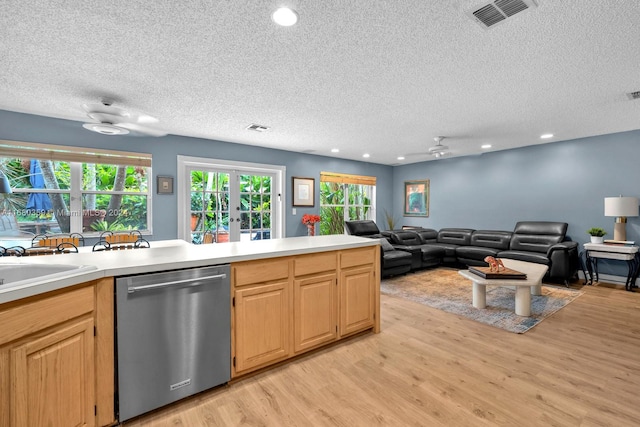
(343, 178)
(32, 150)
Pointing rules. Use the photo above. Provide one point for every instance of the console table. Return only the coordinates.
(630, 254)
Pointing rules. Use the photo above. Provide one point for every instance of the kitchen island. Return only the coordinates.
(288, 296)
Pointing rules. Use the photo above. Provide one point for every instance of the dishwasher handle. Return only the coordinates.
(133, 289)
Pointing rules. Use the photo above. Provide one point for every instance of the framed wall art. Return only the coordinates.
(303, 192)
(416, 198)
(165, 185)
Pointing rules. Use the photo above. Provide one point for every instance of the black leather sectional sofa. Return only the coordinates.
(541, 242)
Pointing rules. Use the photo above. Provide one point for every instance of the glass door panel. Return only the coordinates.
(233, 213)
(255, 207)
(210, 195)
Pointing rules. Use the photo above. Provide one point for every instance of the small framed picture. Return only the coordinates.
(303, 192)
(165, 184)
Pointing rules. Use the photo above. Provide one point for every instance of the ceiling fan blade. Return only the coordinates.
(105, 108)
(107, 118)
(112, 114)
(134, 127)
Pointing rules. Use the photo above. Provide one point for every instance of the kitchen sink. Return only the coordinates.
(18, 274)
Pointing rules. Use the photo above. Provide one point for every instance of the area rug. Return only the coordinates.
(445, 289)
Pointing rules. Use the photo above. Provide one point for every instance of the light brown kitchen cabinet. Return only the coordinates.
(356, 300)
(49, 345)
(285, 306)
(315, 311)
(261, 307)
(357, 290)
(315, 300)
(262, 325)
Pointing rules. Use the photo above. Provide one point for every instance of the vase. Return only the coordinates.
(311, 229)
(597, 239)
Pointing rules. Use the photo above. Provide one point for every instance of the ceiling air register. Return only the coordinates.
(496, 12)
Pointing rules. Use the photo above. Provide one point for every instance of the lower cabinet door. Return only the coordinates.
(53, 378)
(262, 325)
(315, 302)
(357, 299)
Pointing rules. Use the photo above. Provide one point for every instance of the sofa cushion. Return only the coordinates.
(427, 235)
(536, 257)
(475, 252)
(364, 228)
(491, 239)
(396, 258)
(449, 249)
(403, 237)
(386, 246)
(455, 236)
(432, 251)
(537, 236)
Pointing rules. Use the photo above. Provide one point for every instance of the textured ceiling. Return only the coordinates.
(382, 77)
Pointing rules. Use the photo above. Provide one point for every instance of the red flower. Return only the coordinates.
(308, 219)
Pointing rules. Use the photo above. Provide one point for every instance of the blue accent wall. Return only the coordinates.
(563, 181)
(31, 128)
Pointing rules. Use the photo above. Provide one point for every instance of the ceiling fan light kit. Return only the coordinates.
(113, 120)
(105, 128)
(438, 150)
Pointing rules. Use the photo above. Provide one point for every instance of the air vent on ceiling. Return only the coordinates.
(634, 95)
(258, 128)
(495, 12)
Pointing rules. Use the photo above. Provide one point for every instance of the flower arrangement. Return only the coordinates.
(308, 219)
(310, 222)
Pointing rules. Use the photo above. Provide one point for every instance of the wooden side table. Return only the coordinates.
(630, 254)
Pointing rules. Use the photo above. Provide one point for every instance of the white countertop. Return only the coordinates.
(168, 255)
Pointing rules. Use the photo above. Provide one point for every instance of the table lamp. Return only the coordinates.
(621, 208)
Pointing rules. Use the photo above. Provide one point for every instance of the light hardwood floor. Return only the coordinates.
(579, 367)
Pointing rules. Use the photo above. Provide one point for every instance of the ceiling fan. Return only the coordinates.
(111, 120)
(439, 150)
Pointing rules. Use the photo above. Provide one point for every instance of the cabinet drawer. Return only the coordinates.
(355, 257)
(250, 272)
(34, 316)
(316, 263)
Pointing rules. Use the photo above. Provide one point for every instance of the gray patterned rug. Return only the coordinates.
(445, 289)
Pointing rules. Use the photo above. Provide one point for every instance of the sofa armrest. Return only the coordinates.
(562, 246)
(564, 260)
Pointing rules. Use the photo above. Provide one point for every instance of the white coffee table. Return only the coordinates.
(532, 285)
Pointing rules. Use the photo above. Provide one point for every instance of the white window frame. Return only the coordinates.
(185, 163)
(76, 156)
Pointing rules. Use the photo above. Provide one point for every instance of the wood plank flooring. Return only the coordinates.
(579, 367)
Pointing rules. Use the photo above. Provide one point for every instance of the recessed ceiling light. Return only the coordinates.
(366, 155)
(285, 17)
(546, 136)
(400, 157)
(485, 146)
(335, 150)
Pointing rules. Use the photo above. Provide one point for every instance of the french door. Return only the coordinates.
(230, 203)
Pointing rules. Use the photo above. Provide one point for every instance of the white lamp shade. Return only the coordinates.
(621, 206)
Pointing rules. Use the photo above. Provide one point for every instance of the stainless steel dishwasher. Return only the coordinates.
(173, 336)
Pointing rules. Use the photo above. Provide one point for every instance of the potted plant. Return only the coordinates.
(310, 221)
(196, 209)
(597, 234)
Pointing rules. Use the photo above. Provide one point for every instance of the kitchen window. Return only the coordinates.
(59, 189)
(345, 197)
